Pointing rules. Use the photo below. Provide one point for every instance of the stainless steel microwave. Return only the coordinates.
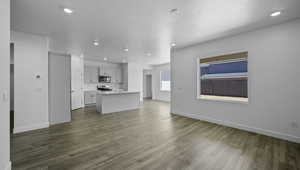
(104, 79)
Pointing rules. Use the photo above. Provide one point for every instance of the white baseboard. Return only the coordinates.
(243, 127)
(8, 166)
(60, 122)
(31, 127)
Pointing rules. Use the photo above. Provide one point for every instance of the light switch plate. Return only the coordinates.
(4, 95)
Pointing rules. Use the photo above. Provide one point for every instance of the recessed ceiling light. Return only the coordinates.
(104, 58)
(173, 44)
(274, 14)
(149, 54)
(174, 10)
(96, 43)
(126, 49)
(68, 10)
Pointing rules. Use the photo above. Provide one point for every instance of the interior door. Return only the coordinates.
(77, 82)
(59, 88)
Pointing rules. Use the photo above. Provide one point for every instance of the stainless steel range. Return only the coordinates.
(104, 88)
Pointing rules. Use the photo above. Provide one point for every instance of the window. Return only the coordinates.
(223, 77)
(165, 83)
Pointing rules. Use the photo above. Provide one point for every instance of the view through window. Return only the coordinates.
(165, 81)
(224, 77)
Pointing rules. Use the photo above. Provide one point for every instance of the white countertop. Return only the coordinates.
(116, 92)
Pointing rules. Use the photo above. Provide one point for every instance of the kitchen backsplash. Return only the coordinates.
(93, 86)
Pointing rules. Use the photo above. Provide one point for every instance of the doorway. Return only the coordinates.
(12, 75)
(148, 89)
(77, 82)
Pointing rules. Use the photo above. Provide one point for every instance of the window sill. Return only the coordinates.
(165, 90)
(224, 99)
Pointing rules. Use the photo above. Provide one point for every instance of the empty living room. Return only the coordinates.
(150, 85)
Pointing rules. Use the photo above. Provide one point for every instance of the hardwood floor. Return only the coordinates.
(149, 138)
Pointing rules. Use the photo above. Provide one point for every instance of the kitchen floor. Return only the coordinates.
(148, 138)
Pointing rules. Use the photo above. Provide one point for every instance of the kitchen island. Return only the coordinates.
(117, 101)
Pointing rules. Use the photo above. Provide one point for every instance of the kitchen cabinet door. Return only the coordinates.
(90, 97)
(93, 97)
(91, 74)
(87, 99)
(86, 74)
(118, 75)
(112, 74)
(104, 71)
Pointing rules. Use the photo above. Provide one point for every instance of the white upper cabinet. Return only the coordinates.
(105, 70)
(102, 71)
(90, 74)
(118, 75)
(114, 72)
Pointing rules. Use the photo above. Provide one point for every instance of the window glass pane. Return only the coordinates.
(225, 76)
(165, 75)
(165, 84)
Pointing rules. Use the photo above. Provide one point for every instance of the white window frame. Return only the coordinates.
(218, 98)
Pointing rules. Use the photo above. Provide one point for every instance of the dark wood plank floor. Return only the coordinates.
(149, 138)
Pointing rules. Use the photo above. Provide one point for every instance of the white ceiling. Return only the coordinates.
(142, 26)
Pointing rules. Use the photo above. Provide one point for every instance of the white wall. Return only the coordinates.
(4, 84)
(31, 93)
(274, 82)
(156, 93)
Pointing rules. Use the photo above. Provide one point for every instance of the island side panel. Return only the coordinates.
(99, 103)
(120, 102)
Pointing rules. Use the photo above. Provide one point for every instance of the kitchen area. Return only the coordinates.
(106, 87)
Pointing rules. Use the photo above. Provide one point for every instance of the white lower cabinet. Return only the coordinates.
(90, 97)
